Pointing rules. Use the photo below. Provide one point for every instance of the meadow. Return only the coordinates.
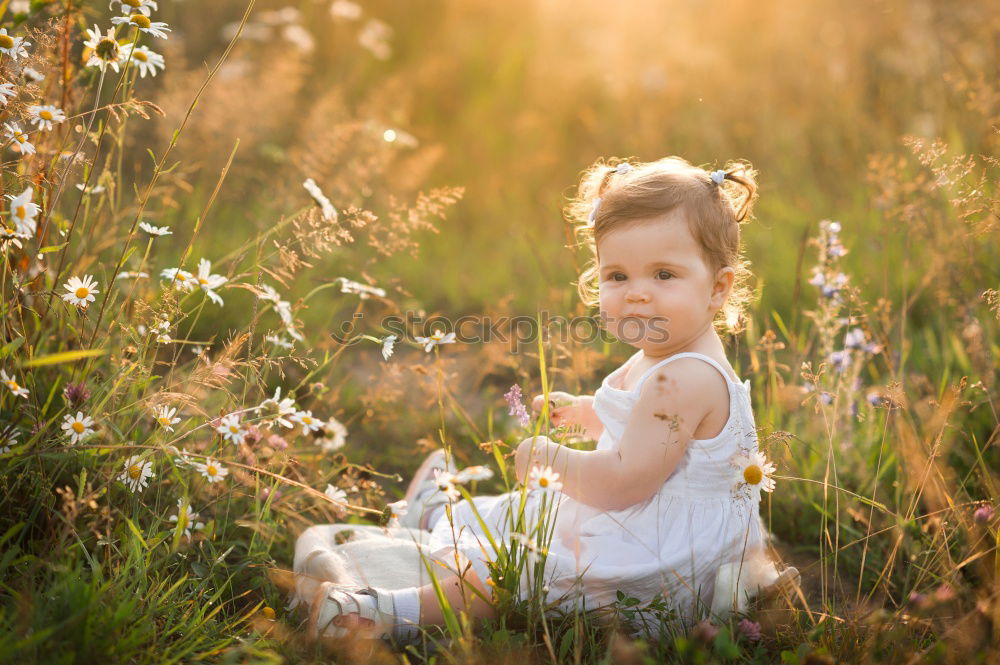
(209, 230)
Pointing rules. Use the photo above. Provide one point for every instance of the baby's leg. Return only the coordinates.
(466, 600)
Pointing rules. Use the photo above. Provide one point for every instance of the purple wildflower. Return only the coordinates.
(704, 631)
(749, 629)
(983, 514)
(840, 360)
(76, 393)
(517, 408)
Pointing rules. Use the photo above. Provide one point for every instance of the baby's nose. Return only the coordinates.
(635, 296)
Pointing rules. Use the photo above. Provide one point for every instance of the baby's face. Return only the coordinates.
(656, 291)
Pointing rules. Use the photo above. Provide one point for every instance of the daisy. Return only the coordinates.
(13, 46)
(278, 341)
(181, 279)
(146, 61)
(93, 189)
(104, 49)
(18, 390)
(445, 482)
(209, 282)
(143, 7)
(212, 470)
(753, 474)
(329, 212)
(142, 22)
(336, 494)
(531, 548)
(165, 417)
(437, 337)
(474, 473)
(9, 440)
(186, 518)
(14, 133)
(183, 459)
(346, 10)
(396, 510)
(155, 230)
(363, 290)
(23, 212)
(388, 345)
(544, 479)
(42, 116)
(6, 90)
(309, 422)
(231, 429)
(81, 292)
(334, 435)
(125, 274)
(136, 474)
(32, 75)
(277, 408)
(77, 427)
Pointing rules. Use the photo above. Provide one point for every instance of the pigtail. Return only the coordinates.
(741, 196)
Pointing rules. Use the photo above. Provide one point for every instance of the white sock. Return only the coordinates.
(406, 607)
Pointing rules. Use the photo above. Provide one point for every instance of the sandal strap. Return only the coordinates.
(381, 614)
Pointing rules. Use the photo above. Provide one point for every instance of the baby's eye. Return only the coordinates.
(615, 275)
(661, 274)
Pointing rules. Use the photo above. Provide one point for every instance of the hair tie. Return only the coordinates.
(718, 177)
(624, 167)
(593, 212)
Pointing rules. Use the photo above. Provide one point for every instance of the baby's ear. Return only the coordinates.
(723, 286)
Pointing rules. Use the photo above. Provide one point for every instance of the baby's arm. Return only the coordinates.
(572, 410)
(671, 405)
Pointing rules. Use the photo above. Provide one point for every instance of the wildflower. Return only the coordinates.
(181, 279)
(544, 479)
(43, 116)
(517, 408)
(142, 22)
(307, 420)
(396, 510)
(183, 459)
(145, 61)
(299, 36)
(266, 492)
(143, 7)
(15, 134)
(278, 341)
(363, 290)
(7, 441)
(705, 631)
(277, 408)
(374, 36)
(32, 75)
(17, 389)
(437, 338)
(13, 46)
(77, 427)
(163, 331)
(334, 435)
(231, 430)
(918, 600)
(329, 212)
(445, 482)
(155, 230)
(81, 291)
(753, 474)
(840, 360)
(23, 212)
(186, 518)
(983, 514)
(93, 189)
(103, 48)
(136, 474)
(277, 442)
(212, 470)
(126, 274)
(944, 593)
(165, 417)
(531, 548)
(749, 629)
(6, 90)
(209, 282)
(474, 473)
(76, 394)
(336, 493)
(388, 344)
(346, 10)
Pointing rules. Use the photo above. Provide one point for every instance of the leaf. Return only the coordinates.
(52, 248)
(11, 347)
(64, 357)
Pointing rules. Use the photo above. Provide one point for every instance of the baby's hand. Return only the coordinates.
(562, 407)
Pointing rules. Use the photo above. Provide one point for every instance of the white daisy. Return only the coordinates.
(93, 189)
(231, 429)
(32, 75)
(141, 21)
(125, 274)
(143, 7)
(212, 470)
(186, 518)
(23, 212)
(77, 427)
(15, 134)
(277, 407)
(13, 46)
(363, 290)
(278, 341)
(165, 417)
(309, 422)
(145, 61)
(181, 279)
(81, 291)
(753, 474)
(7, 441)
(544, 479)
(445, 482)
(437, 337)
(163, 331)
(397, 509)
(184, 458)
(346, 10)
(6, 90)
(155, 230)
(531, 548)
(209, 282)
(104, 49)
(474, 473)
(42, 116)
(336, 494)
(17, 389)
(334, 435)
(388, 345)
(329, 212)
(136, 474)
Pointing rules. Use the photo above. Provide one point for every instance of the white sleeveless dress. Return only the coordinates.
(674, 543)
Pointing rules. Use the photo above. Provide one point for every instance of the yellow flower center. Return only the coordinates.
(20, 212)
(202, 281)
(306, 420)
(139, 55)
(45, 115)
(107, 49)
(78, 427)
(132, 3)
(82, 292)
(6, 41)
(140, 20)
(211, 470)
(181, 277)
(543, 482)
(164, 420)
(753, 474)
(19, 137)
(268, 613)
(134, 472)
(234, 429)
(13, 385)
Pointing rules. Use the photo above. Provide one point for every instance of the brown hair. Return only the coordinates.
(640, 191)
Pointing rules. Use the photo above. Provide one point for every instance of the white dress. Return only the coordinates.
(674, 543)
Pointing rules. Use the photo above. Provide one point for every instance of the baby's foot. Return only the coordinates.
(339, 611)
(783, 585)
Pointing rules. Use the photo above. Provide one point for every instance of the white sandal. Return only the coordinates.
(333, 601)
